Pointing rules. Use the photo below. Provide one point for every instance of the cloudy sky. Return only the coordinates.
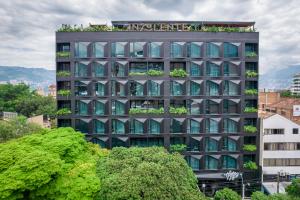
(27, 27)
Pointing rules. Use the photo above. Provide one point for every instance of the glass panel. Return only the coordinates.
(211, 163)
(81, 126)
(138, 67)
(176, 126)
(212, 126)
(230, 88)
(229, 162)
(137, 49)
(212, 89)
(98, 49)
(212, 50)
(156, 66)
(194, 163)
(194, 89)
(136, 89)
(98, 69)
(229, 144)
(81, 69)
(118, 108)
(99, 108)
(195, 70)
(136, 127)
(81, 89)
(139, 142)
(230, 50)
(194, 50)
(230, 126)
(118, 49)
(99, 127)
(211, 145)
(154, 127)
(99, 89)
(155, 142)
(212, 69)
(177, 50)
(194, 107)
(81, 49)
(176, 88)
(117, 89)
(194, 127)
(155, 49)
(230, 69)
(212, 107)
(101, 143)
(230, 106)
(118, 70)
(81, 108)
(153, 88)
(118, 127)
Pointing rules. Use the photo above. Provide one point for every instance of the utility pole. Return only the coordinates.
(278, 173)
(243, 186)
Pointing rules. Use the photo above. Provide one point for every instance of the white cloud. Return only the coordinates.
(27, 28)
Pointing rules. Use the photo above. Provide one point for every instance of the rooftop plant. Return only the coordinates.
(250, 129)
(179, 111)
(251, 74)
(250, 165)
(63, 54)
(178, 73)
(63, 111)
(251, 92)
(249, 147)
(63, 73)
(251, 54)
(134, 111)
(153, 72)
(64, 92)
(250, 109)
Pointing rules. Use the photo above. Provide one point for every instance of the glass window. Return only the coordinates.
(230, 106)
(81, 69)
(154, 49)
(153, 88)
(155, 142)
(138, 142)
(101, 143)
(212, 107)
(229, 144)
(176, 88)
(211, 163)
(138, 67)
(193, 127)
(211, 145)
(98, 69)
(99, 108)
(194, 50)
(194, 163)
(99, 127)
(230, 88)
(212, 69)
(194, 107)
(229, 162)
(98, 49)
(195, 69)
(118, 127)
(117, 89)
(118, 69)
(137, 49)
(154, 127)
(118, 49)
(212, 50)
(212, 126)
(295, 130)
(81, 49)
(230, 126)
(81, 108)
(99, 89)
(156, 66)
(230, 69)
(81, 88)
(176, 126)
(118, 108)
(195, 88)
(212, 89)
(177, 49)
(136, 89)
(136, 127)
(230, 50)
(81, 126)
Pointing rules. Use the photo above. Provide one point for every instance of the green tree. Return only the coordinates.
(146, 173)
(259, 196)
(52, 164)
(226, 194)
(294, 188)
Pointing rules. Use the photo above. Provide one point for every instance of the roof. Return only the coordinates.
(271, 187)
(286, 103)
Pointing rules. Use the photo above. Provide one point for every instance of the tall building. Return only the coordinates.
(295, 88)
(166, 83)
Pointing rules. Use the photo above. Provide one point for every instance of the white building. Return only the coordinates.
(295, 88)
(280, 149)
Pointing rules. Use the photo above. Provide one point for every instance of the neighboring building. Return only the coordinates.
(267, 98)
(295, 88)
(8, 115)
(52, 90)
(41, 120)
(116, 77)
(40, 91)
(281, 150)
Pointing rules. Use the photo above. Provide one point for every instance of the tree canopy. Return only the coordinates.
(146, 173)
(227, 194)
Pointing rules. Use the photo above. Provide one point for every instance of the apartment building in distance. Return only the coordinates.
(166, 83)
(295, 88)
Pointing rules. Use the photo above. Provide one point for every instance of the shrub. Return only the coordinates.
(250, 165)
(178, 73)
(250, 129)
(251, 54)
(63, 73)
(294, 188)
(178, 111)
(63, 111)
(250, 109)
(251, 92)
(251, 74)
(249, 147)
(178, 148)
(134, 111)
(259, 196)
(64, 92)
(226, 194)
(153, 72)
(63, 54)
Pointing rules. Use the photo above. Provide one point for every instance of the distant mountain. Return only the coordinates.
(35, 77)
(279, 79)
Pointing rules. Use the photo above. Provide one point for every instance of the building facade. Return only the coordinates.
(148, 83)
(295, 88)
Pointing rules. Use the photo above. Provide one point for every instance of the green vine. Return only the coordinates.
(178, 148)
(63, 111)
(153, 72)
(250, 110)
(250, 129)
(64, 92)
(249, 147)
(251, 54)
(251, 74)
(134, 111)
(251, 92)
(250, 165)
(178, 73)
(63, 73)
(63, 54)
(179, 111)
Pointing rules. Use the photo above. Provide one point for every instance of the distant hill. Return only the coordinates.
(35, 77)
(278, 79)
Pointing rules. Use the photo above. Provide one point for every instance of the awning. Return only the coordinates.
(197, 138)
(101, 62)
(141, 119)
(122, 62)
(179, 119)
(236, 43)
(216, 62)
(122, 100)
(197, 81)
(102, 82)
(197, 62)
(158, 81)
(236, 119)
(216, 81)
(85, 82)
(235, 81)
(179, 81)
(104, 139)
(235, 100)
(122, 82)
(102, 101)
(85, 101)
(158, 119)
(86, 120)
(234, 137)
(197, 119)
(216, 138)
(215, 119)
(197, 100)
(197, 156)
(271, 187)
(217, 43)
(216, 100)
(236, 62)
(141, 81)
(102, 120)
(124, 139)
(122, 119)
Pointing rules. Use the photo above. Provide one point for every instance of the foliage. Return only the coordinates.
(63, 73)
(250, 165)
(63, 54)
(250, 109)
(178, 73)
(251, 74)
(288, 93)
(134, 111)
(250, 129)
(90, 28)
(294, 188)
(178, 148)
(146, 173)
(225, 29)
(259, 196)
(137, 74)
(52, 164)
(16, 128)
(179, 111)
(19, 98)
(153, 72)
(226, 194)
(251, 54)
(63, 111)
(251, 92)
(64, 92)
(249, 147)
